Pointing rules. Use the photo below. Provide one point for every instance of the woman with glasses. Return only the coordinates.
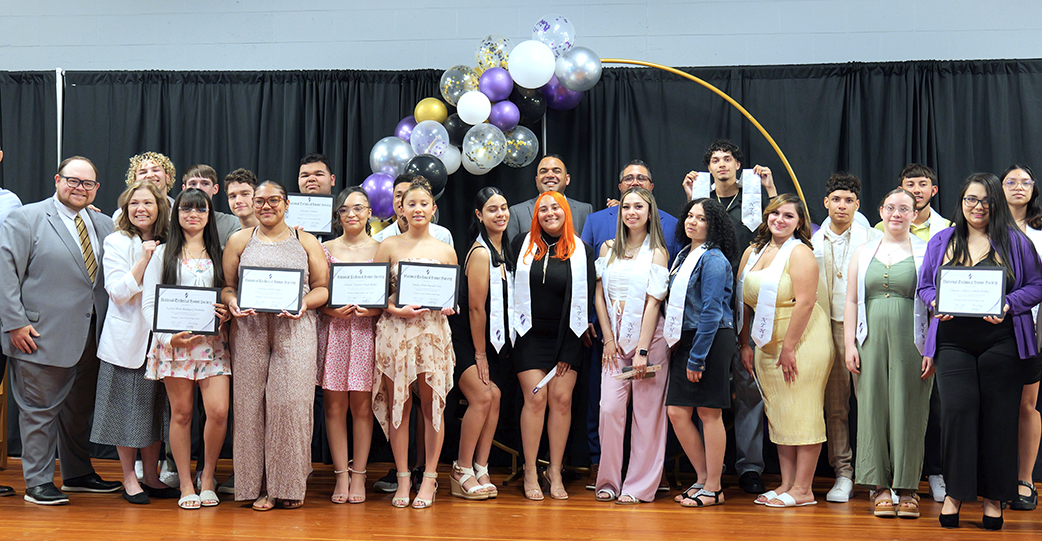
(1022, 196)
(191, 257)
(980, 360)
(883, 346)
(275, 354)
(345, 352)
(129, 409)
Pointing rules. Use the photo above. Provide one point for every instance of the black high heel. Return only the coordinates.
(992, 523)
(951, 520)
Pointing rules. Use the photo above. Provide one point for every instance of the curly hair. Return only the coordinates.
(159, 159)
(723, 145)
(803, 231)
(242, 176)
(719, 228)
(843, 182)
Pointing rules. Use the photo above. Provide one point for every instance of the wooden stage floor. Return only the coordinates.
(510, 517)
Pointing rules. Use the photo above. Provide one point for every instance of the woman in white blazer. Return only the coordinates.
(129, 410)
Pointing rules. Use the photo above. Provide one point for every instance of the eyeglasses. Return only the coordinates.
(74, 182)
(258, 202)
(192, 210)
(638, 178)
(1013, 183)
(357, 209)
(891, 209)
(971, 202)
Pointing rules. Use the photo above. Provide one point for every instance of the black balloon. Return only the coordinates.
(431, 169)
(457, 129)
(530, 102)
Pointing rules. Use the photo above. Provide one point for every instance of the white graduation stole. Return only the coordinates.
(762, 327)
(921, 318)
(700, 187)
(496, 317)
(678, 296)
(752, 212)
(578, 311)
(627, 333)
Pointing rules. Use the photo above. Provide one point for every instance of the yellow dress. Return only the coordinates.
(794, 410)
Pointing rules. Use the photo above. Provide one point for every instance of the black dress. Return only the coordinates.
(550, 340)
(463, 341)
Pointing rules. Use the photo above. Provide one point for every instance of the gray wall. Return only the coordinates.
(409, 34)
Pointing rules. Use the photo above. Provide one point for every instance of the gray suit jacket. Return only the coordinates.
(44, 283)
(521, 216)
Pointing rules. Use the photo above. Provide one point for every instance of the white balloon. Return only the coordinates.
(451, 159)
(531, 64)
(474, 107)
(472, 167)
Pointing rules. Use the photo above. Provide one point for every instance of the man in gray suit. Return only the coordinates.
(551, 174)
(52, 305)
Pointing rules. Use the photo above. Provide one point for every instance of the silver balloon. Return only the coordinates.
(390, 155)
(484, 145)
(522, 147)
(578, 69)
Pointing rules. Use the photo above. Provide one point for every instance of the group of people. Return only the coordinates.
(659, 315)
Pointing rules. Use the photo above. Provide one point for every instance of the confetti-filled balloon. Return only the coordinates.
(380, 188)
(522, 147)
(473, 107)
(556, 32)
(578, 69)
(472, 167)
(430, 109)
(389, 155)
(531, 64)
(493, 52)
(429, 137)
(485, 146)
(456, 81)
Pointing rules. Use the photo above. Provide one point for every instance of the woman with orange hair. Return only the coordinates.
(553, 293)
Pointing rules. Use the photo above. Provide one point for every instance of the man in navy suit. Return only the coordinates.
(601, 226)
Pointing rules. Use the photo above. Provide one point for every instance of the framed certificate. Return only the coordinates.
(184, 308)
(971, 291)
(361, 284)
(270, 290)
(312, 212)
(427, 285)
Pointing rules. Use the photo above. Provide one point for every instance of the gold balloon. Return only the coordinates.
(430, 109)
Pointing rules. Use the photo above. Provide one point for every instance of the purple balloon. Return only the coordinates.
(380, 187)
(560, 98)
(404, 129)
(505, 115)
(496, 83)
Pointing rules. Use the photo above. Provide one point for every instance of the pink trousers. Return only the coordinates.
(648, 434)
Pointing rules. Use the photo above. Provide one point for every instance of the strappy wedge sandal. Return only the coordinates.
(456, 487)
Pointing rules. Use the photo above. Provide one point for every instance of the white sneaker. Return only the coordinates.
(167, 477)
(841, 491)
(937, 488)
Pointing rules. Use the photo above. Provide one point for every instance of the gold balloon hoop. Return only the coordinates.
(729, 99)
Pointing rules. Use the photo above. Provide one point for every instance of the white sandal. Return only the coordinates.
(490, 488)
(456, 485)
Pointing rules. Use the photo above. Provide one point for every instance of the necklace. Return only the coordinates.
(838, 269)
(733, 199)
(189, 255)
(356, 246)
(273, 240)
(546, 257)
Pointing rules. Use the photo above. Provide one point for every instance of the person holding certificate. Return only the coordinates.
(980, 359)
(793, 338)
(631, 283)
(346, 352)
(699, 324)
(191, 257)
(413, 344)
(484, 336)
(275, 351)
(1022, 195)
(129, 410)
(553, 294)
(886, 327)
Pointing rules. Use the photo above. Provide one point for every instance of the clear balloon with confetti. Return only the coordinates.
(493, 52)
(457, 81)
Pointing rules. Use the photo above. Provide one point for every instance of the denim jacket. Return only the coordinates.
(708, 304)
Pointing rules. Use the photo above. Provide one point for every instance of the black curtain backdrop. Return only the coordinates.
(867, 119)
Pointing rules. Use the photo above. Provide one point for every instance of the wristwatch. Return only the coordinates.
(642, 352)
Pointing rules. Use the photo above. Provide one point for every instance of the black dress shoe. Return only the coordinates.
(991, 523)
(91, 482)
(1021, 502)
(163, 492)
(140, 498)
(6, 490)
(46, 494)
(751, 483)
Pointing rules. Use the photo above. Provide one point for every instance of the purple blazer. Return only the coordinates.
(1026, 293)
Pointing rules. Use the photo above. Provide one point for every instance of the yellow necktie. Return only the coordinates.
(88, 252)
